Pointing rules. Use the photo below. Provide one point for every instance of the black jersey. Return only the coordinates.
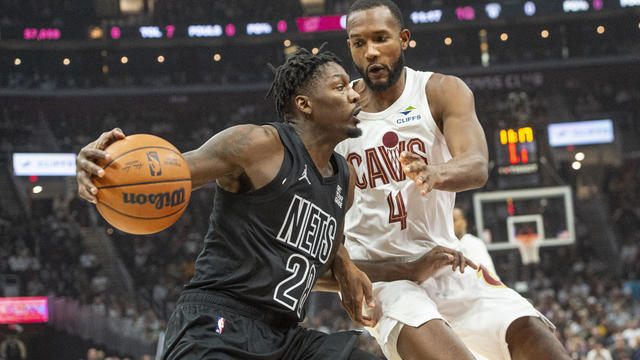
(267, 247)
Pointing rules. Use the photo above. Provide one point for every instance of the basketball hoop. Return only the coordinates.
(529, 246)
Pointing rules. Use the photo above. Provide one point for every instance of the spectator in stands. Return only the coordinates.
(620, 350)
(473, 247)
(599, 352)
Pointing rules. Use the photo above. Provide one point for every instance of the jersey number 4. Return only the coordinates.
(397, 210)
(302, 274)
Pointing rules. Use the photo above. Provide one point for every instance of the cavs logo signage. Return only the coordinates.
(382, 163)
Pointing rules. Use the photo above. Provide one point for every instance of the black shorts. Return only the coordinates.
(209, 325)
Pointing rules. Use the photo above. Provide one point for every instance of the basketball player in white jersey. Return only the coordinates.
(430, 119)
(472, 246)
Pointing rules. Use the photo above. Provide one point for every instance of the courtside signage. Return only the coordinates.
(44, 164)
(581, 133)
(321, 23)
(204, 30)
(20, 310)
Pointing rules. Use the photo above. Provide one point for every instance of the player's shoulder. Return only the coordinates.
(442, 89)
(257, 138)
(439, 83)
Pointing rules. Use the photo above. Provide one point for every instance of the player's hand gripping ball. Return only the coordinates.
(146, 185)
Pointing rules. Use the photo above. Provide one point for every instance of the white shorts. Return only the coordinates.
(476, 306)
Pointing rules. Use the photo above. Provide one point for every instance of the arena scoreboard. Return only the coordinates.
(516, 156)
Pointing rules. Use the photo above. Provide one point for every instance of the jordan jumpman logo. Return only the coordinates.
(304, 175)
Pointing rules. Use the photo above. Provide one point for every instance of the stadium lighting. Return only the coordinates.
(504, 36)
(37, 189)
(314, 50)
(124, 59)
(287, 43)
(544, 34)
(17, 61)
(161, 59)
(600, 29)
(105, 69)
(217, 57)
(103, 53)
(576, 165)
(412, 43)
(66, 61)
(448, 41)
(579, 156)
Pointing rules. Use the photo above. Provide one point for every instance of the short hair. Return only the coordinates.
(295, 75)
(359, 5)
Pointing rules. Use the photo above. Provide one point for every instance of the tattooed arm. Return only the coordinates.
(239, 158)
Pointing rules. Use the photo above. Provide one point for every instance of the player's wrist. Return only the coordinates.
(407, 270)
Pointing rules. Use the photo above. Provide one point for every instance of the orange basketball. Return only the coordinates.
(146, 186)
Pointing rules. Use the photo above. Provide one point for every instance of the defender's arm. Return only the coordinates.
(454, 110)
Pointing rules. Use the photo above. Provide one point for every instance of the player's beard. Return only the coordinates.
(354, 132)
(394, 75)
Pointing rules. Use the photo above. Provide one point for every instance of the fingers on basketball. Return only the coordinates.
(109, 137)
(146, 186)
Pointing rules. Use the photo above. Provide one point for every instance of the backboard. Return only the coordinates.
(544, 214)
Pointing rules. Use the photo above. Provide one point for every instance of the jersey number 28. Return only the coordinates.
(302, 274)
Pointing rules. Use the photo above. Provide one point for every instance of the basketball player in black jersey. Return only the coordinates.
(276, 227)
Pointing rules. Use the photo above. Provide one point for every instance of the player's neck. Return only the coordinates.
(377, 101)
(318, 147)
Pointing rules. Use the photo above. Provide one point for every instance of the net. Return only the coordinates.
(529, 247)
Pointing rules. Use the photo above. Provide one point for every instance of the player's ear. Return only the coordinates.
(303, 103)
(349, 43)
(405, 36)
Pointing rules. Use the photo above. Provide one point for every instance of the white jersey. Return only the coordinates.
(475, 249)
(389, 218)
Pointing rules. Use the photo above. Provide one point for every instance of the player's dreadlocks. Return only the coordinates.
(293, 77)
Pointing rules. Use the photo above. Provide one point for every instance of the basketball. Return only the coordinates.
(146, 186)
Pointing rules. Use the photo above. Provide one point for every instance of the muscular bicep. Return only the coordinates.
(460, 125)
(225, 154)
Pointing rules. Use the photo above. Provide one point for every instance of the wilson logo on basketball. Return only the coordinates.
(154, 163)
(160, 200)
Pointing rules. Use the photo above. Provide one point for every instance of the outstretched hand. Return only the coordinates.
(437, 258)
(354, 286)
(86, 166)
(417, 170)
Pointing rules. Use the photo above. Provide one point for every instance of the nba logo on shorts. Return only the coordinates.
(154, 163)
(220, 325)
